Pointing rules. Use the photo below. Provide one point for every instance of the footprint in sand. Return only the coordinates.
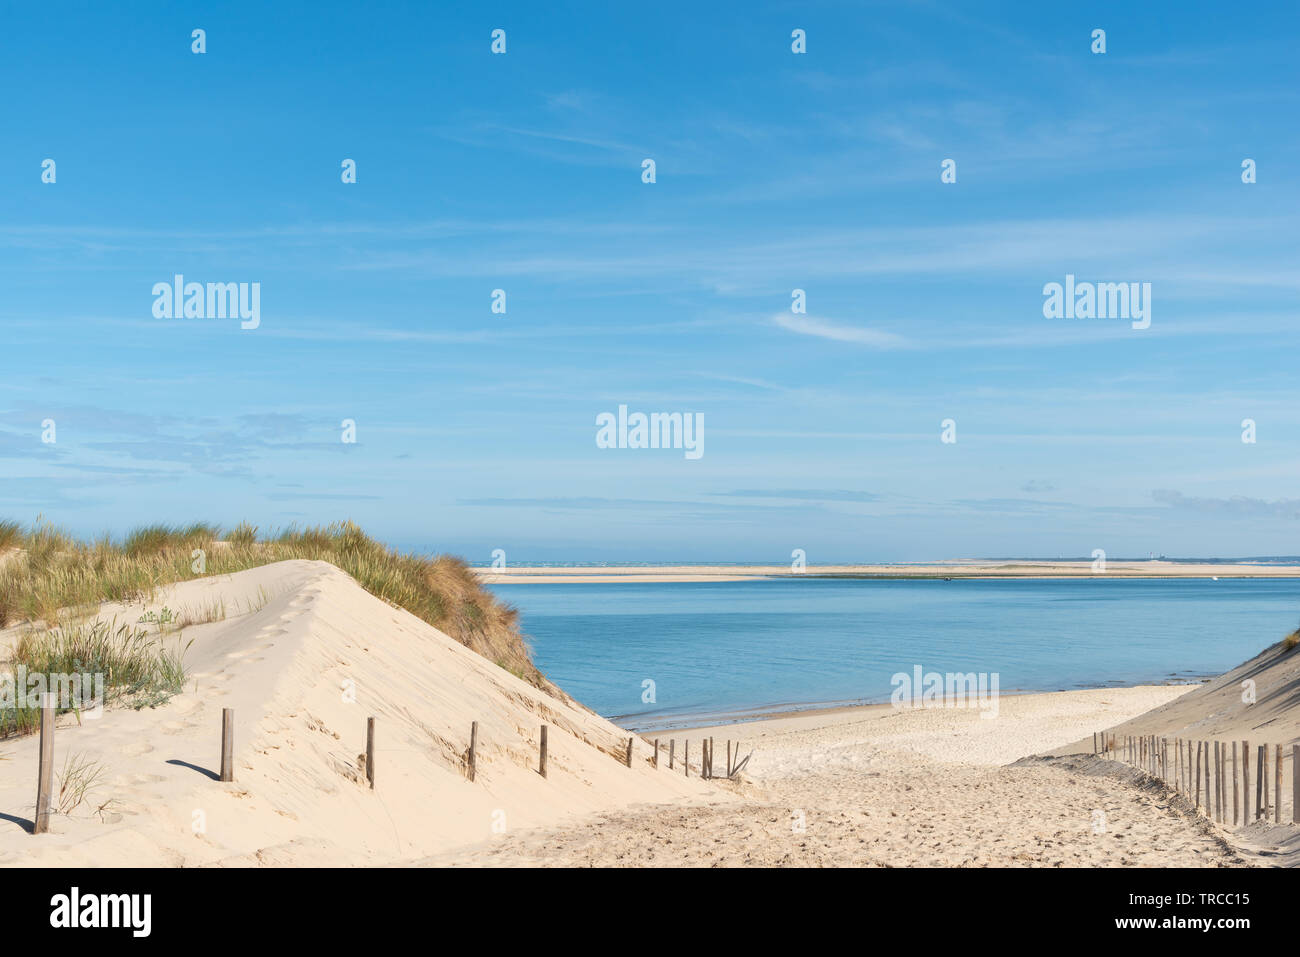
(132, 780)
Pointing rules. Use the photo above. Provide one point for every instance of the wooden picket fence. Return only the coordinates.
(44, 783)
(1214, 775)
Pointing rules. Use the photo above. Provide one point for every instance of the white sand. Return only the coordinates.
(884, 787)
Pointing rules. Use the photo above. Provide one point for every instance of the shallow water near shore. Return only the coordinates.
(722, 649)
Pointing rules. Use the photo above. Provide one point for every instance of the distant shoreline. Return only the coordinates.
(557, 574)
(818, 714)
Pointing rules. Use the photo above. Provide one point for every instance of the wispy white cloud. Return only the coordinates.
(823, 329)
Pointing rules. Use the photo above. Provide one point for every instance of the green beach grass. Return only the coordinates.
(51, 586)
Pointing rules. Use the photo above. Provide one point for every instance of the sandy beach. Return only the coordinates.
(879, 786)
(528, 574)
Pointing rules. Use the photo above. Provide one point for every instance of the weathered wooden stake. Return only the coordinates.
(1218, 781)
(227, 744)
(1234, 784)
(656, 754)
(1245, 782)
(542, 765)
(473, 747)
(1219, 792)
(1261, 790)
(370, 752)
(629, 752)
(1209, 799)
(45, 768)
(686, 756)
(1295, 784)
(672, 747)
(1277, 785)
(1198, 775)
(729, 758)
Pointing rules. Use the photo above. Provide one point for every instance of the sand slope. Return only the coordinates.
(1218, 709)
(299, 795)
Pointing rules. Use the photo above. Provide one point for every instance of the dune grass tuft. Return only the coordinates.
(138, 669)
(11, 534)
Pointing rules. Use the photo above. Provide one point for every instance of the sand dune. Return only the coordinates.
(299, 795)
(1258, 700)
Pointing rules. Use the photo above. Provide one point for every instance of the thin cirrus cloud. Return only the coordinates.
(824, 329)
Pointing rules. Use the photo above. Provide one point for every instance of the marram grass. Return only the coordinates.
(48, 578)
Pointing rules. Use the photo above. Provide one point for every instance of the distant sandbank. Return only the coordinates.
(538, 575)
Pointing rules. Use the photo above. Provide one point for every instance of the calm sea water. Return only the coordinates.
(726, 648)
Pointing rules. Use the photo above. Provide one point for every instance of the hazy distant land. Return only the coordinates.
(1020, 568)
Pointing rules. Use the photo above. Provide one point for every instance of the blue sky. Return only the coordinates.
(774, 171)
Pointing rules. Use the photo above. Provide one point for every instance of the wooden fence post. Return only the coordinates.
(629, 752)
(542, 765)
(656, 754)
(1211, 769)
(1218, 783)
(1261, 789)
(473, 748)
(1295, 784)
(686, 756)
(1234, 784)
(1198, 775)
(45, 769)
(1277, 785)
(1223, 783)
(227, 744)
(1245, 782)
(672, 747)
(370, 752)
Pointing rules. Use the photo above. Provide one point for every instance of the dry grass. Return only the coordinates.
(78, 779)
(11, 535)
(138, 669)
(54, 579)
